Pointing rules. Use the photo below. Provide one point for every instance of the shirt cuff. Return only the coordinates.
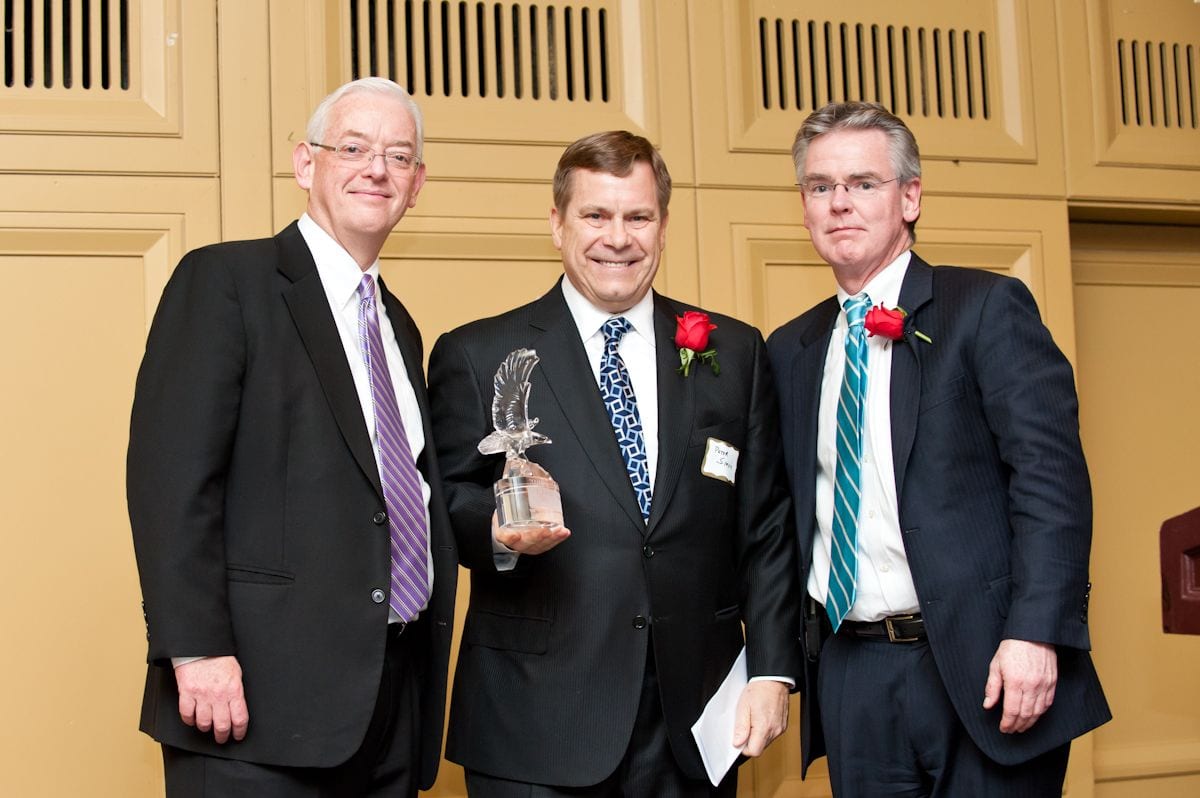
(177, 661)
(504, 558)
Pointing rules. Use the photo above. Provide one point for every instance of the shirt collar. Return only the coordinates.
(884, 287)
(339, 273)
(589, 318)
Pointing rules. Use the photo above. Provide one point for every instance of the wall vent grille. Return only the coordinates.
(506, 50)
(66, 44)
(1158, 84)
(931, 72)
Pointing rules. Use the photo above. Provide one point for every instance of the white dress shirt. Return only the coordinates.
(885, 585)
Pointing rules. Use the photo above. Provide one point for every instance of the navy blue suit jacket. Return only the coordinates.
(993, 491)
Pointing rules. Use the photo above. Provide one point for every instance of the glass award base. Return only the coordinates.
(523, 502)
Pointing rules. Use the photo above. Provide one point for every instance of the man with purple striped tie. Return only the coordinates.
(297, 567)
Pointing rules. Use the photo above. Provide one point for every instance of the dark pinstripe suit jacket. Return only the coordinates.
(554, 652)
(993, 491)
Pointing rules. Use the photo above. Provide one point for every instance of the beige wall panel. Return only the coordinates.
(1169, 787)
(245, 100)
(162, 119)
(472, 132)
(962, 75)
(758, 264)
(1133, 127)
(62, 479)
(1132, 285)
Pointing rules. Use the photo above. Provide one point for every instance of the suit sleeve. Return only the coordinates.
(185, 413)
(1029, 399)
(767, 536)
(461, 419)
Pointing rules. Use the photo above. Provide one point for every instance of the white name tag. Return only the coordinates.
(720, 460)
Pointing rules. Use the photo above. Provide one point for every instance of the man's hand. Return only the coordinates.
(1027, 674)
(211, 697)
(533, 540)
(762, 715)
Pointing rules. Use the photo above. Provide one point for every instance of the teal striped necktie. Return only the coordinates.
(843, 558)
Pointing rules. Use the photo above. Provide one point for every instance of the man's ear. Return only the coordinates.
(556, 225)
(303, 164)
(911, 200)
(418, 184)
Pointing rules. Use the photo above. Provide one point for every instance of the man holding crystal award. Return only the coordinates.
(590, 649)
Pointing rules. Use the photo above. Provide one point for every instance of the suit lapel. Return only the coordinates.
(408, 338)
(309, 307)
(915, 292)
(568, 376)
(676, 411)
(808, 366)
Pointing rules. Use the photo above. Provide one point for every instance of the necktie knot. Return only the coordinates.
(615, 329)
(366, 288)
(856, 309)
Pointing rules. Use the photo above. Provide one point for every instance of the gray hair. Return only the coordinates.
(902, 146)
(906, 158)
(315, 131)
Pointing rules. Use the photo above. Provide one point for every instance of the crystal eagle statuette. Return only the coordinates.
(526, 496)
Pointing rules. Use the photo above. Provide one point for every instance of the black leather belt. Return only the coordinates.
(402, 629)
(896, 629)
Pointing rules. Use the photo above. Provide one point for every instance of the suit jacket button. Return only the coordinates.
(648, 551)
(639, 622)
(380, 518)
(377, 596)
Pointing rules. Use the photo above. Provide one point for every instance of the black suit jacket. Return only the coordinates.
(993, 491)
(253, 493)
(554, 652)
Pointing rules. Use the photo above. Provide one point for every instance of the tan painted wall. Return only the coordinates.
(1029, 115)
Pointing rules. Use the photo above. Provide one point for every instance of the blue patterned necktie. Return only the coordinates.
(622, 410)
(401, 483)
(843, 558)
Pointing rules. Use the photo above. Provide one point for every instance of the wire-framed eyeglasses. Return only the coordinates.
(352, 152)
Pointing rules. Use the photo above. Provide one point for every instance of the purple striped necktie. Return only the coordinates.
(397, 472)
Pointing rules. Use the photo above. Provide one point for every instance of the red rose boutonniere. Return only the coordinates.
(691, 336)
(891, 324)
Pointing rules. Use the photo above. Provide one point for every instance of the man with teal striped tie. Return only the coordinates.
(942, 500)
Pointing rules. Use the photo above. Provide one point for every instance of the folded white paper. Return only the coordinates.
(714, 729)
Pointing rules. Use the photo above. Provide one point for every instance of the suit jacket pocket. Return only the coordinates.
(258, 575)
(728, 613)
(730, 431)
(946, 392)
(507, 632)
